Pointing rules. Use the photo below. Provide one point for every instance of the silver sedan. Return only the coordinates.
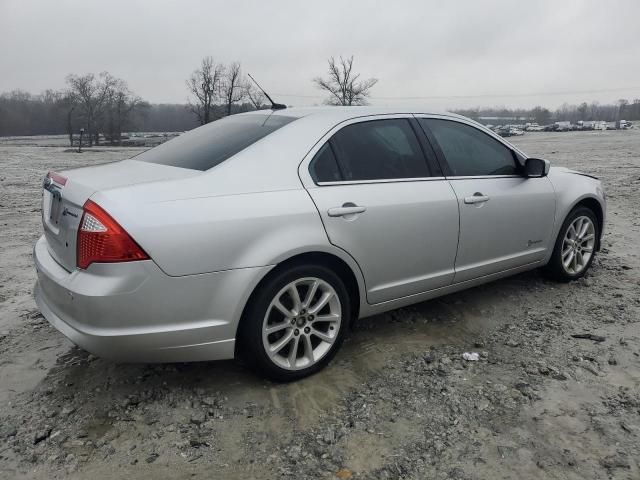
(263, 235)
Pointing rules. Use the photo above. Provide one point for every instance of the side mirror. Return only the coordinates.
(536, 167)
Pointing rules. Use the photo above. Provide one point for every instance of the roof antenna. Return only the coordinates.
(274, 105)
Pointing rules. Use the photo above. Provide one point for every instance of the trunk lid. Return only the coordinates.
(65, 193)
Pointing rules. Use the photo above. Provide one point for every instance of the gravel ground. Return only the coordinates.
(397, 402)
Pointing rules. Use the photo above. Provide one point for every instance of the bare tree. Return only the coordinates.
(582, 110)
(91, 94)
(121, 103)
(541, 115)
(343, 83)
(233, 86)
(68, 103)
(593, 111)
(204, 85)
(622, 105)
(255, 95)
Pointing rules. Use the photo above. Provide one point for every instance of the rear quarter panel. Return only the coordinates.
(207, 234)
(246, 212)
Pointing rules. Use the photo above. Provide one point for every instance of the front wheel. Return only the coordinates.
(295, 323)
(575, 246)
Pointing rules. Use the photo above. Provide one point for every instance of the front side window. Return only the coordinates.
(469, 151)
(205, 147)
(379, 150)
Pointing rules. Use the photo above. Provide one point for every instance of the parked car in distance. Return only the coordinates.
(503, 130)
(264, 235)
(563, 126)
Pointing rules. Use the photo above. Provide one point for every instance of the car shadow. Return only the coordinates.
(102, 391)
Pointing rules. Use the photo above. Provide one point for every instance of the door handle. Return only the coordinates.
(476, 198)
(346, 209)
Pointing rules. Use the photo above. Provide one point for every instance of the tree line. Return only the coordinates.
(104, 106)
(96, 103)
(621, 110)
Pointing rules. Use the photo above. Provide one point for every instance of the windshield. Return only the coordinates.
(207, 146)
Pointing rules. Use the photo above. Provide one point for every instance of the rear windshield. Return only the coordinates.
(207, 146)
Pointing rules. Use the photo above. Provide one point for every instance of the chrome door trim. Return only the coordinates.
(482, 177)
(416, 179)
(382, 180)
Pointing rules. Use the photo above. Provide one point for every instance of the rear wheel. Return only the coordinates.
(295, 323)
(575, 246)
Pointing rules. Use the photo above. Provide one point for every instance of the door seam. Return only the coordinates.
(455, 260)
(324, 227)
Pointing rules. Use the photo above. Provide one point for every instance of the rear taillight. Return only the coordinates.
(57, 178)
(102, 240)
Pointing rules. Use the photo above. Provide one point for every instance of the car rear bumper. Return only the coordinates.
(134, 312)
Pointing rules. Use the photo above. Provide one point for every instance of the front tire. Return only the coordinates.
(295, 323)
(575, 247)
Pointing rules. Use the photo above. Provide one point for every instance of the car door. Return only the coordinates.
(380, 201)
(506, 219)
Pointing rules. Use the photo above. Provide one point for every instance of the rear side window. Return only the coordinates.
(469, 151)
(379, 150)
(324, 166)
(207, 146)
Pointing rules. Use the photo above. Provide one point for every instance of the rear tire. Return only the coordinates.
(286, 338)
(575, 247)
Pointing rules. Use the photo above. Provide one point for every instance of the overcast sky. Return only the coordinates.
(445, 54)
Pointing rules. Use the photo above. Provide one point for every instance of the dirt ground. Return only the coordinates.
(397, 402)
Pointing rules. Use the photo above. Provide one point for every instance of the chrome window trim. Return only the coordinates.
(417, 179)
(308, 182)
(381, 180)
(303, 166)
(479, 177)
(474, 124)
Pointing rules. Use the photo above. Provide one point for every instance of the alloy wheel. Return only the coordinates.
(578, 244)
(301, 323)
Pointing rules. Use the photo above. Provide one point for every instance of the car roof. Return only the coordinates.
(314, 119)
(341, 113)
